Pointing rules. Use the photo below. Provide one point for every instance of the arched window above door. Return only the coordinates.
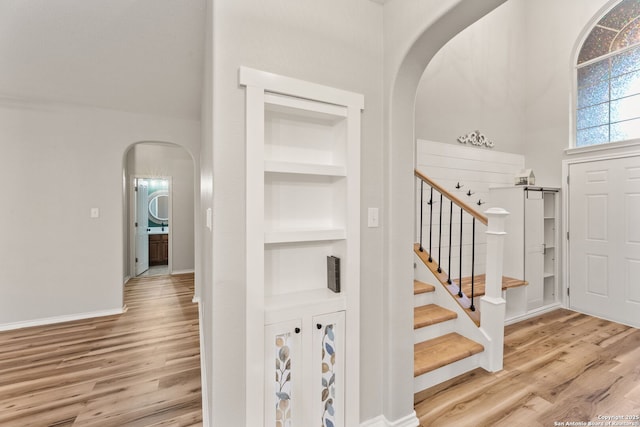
(608, 78)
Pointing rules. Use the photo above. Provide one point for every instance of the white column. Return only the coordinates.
(492, 305)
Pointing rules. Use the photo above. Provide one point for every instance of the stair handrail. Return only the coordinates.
(475, 216)
(452, 197)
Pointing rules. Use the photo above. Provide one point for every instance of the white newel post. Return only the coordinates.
(492, 305)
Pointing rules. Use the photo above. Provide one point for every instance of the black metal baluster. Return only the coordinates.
(421, 196)
(473, 261)
(450, 229)
(440, 237)
(460, 280)
(430, 222)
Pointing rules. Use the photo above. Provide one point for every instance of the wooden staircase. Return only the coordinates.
(449, 338)
(437, 345)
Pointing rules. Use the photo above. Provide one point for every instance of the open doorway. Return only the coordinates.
(152, 225)
(160, 198)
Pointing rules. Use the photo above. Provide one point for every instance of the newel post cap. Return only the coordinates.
(497, 218)
(496, 212)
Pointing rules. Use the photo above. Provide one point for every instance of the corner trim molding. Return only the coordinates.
(381, 421)
(61, 319)
(203, 367)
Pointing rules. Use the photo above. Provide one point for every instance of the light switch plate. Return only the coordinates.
(373, 220)
(209, 219)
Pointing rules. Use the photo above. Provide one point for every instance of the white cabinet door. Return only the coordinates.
(304, 368)
(283, 368)
(328, 370)
(534, 247)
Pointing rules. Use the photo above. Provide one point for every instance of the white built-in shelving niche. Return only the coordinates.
(305, 199)
(303, 204)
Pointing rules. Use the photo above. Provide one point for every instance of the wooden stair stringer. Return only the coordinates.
(463, 302)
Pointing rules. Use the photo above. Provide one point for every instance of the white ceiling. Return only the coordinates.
(133, 55)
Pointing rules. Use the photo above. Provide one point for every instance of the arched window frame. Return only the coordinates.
(615, 111)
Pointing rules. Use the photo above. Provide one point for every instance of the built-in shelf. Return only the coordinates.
(275, 166)
(531, 247)
(303, 108)
(320, 300)
(290, 236)
(302, 206)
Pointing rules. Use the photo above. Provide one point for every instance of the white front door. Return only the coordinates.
(141, 226)
(604, 238)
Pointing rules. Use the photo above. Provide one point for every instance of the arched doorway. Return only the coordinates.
(171, 168)
(401, 88)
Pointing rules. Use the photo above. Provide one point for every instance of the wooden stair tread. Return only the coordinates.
(431, 314)
(441, 276)
(421, 287)
(441, 351)
(480, 281)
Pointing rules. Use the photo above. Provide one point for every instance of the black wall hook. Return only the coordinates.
(469, 193)
(459, 186)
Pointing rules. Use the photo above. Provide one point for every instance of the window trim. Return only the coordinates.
(600, 147)
(574, 66)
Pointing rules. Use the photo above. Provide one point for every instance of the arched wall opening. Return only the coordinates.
(400, 90)
(162, 160)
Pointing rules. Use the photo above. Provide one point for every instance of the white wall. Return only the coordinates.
(167, 160)
(334, 43)
(475, 170)
(510, 75)
(550, 76)
(476, 82)
(56, 163)
(204, 234)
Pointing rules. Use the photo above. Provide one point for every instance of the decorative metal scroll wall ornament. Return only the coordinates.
(476, 138)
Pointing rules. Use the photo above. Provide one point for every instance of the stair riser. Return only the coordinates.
(423, 299)
(445, 373)
(433, 331)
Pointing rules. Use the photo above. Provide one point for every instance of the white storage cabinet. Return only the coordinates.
(303, 205)
(304, 369)
(531, 247)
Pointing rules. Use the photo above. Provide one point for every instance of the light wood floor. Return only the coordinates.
(559, 367)
(141, 368)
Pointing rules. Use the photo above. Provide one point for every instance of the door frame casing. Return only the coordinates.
(584, 157)
(132, 219)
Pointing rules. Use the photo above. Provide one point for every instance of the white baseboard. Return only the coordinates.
(196, 300)
(126, 279)
(532, 313)
(61, 319)
(380, 421)
(183, 271)
(203, 368)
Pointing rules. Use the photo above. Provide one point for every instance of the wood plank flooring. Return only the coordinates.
(560, 367)
(141, 368)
